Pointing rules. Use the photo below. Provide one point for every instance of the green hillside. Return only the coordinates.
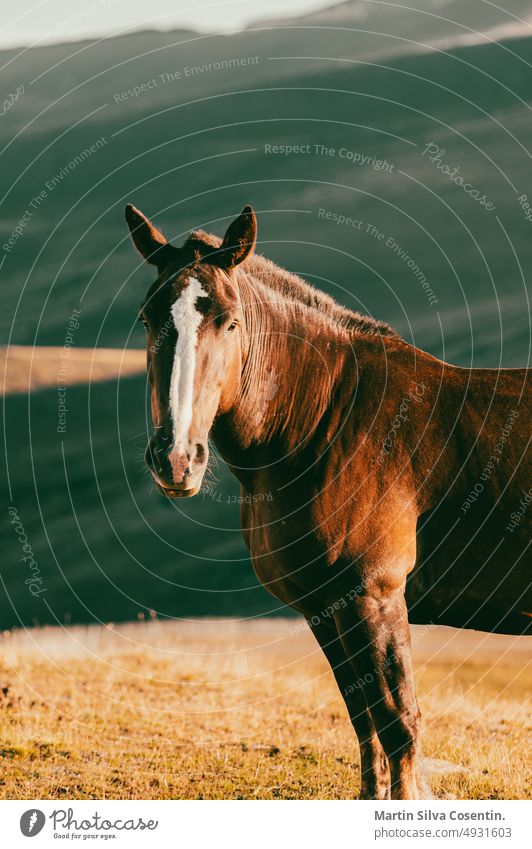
(190, 149)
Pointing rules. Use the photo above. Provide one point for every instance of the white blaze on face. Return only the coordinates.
(187, 320)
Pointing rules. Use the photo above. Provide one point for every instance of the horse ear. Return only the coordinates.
(148, 240)
(238, 241)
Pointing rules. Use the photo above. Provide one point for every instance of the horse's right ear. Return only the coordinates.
(148, 240)
(238, 241)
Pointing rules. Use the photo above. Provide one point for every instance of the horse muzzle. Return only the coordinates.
(178, 473)
(178, 492)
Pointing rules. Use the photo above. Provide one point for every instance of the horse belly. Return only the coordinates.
(473, 569)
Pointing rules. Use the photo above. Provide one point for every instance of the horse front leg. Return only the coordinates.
(374, 770)
(376, 637)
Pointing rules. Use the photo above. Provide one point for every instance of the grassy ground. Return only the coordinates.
(221, 709)
(24, 367)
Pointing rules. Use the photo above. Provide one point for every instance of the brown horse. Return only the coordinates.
(399, 484)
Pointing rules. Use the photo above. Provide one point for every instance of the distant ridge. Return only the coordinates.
(442, 24)
(141, 34)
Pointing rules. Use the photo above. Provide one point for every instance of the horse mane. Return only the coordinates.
(294, 288)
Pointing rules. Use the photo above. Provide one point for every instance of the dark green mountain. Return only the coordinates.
(190, 129)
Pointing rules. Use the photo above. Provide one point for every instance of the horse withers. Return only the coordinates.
(395, 478)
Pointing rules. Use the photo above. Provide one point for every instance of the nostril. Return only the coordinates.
(200, 452)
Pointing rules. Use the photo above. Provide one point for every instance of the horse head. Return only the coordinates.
(195, 344)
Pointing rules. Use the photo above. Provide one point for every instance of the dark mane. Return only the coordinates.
(294, 288)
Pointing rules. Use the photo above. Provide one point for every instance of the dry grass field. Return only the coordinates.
(227, 709)
(25, 368)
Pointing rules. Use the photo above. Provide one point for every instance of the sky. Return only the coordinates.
(32, 22)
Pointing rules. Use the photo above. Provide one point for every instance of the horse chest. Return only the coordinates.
(283, 561)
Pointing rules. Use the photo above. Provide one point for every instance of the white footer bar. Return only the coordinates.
(268, 824)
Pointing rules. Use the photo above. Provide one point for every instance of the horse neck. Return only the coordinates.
(293, 360)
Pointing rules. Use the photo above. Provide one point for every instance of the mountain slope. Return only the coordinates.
(192, 151)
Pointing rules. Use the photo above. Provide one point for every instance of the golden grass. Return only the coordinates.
(24, 367)
(222, 709)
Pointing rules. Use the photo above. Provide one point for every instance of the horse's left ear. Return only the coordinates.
(148, 240)
(238, 241)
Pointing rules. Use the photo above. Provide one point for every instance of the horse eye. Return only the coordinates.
(232, 326)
